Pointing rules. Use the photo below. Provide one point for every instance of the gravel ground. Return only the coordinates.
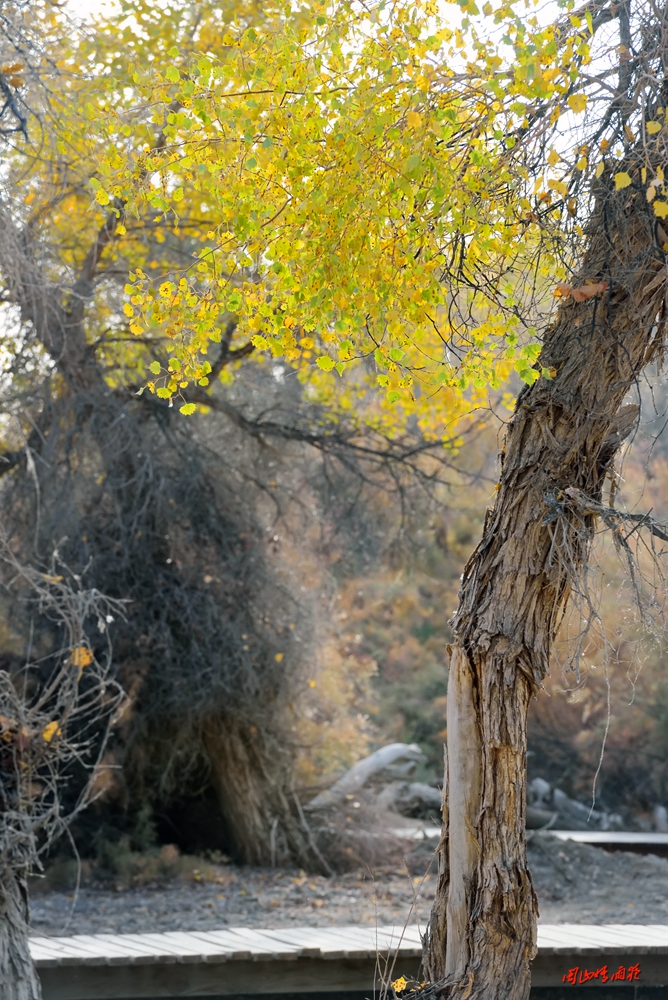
(575, 883)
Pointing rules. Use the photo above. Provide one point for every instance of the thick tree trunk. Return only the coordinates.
(18, 977)
(251, 785)
(559, 447)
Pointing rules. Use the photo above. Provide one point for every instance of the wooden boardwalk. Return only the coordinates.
(241, 960)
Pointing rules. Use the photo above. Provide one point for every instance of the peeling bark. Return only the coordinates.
(559, 447)
(464, 760)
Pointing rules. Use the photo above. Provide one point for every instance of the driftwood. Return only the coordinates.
(411, 798)
(393, 762)
(568, 814)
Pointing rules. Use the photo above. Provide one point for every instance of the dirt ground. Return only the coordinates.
(575, 883)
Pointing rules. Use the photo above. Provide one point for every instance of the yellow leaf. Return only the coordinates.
(651, 193)
(136, 328)
(622, 180)
(51, 729)
(581, 164)
(600, 167)
(553, 158)
(559, 186)
(120, 229)
(577, 102)
(661, 209)
(128, 310)
(279, 657)
(81, 657)
(653, 127)
(101, 197)
(413, 119)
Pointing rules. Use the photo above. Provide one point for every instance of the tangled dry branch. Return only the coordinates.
(55, 709)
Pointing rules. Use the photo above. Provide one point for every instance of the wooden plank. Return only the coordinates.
(585, 939)
(43, 955)
(552, 939)
(47, 944)
(313, 942)
(144, 952)
(406, 939)
(118, 949)
(263, 946)
(74, 952)
(234, 948)
(183, 947)
(237, 947)
(193, 949)
(367, 941)
(331, 942)
(640, 938)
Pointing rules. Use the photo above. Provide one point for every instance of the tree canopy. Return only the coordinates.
(356, 186)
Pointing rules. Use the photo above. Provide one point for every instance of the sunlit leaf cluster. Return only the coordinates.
(368, 203)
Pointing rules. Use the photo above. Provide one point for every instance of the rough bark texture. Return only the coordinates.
(559, 447)
(18, 977)
(251, 794)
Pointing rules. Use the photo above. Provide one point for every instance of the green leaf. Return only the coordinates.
(393, 396)
(529, 375)
(164, 393)
(172, 74)
(259, 342)
(325, 363)
(396, 354)
(155, 367)
(187, 409)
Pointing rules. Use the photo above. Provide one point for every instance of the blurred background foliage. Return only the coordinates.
(290, 573)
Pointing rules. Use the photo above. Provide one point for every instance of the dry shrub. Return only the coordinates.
(358, 835)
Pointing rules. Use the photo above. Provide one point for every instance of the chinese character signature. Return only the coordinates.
(578, 976)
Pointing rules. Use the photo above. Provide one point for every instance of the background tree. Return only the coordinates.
(168, 516)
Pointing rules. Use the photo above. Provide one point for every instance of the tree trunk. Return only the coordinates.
(559, 448)
(18, 977)
(251, 787)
